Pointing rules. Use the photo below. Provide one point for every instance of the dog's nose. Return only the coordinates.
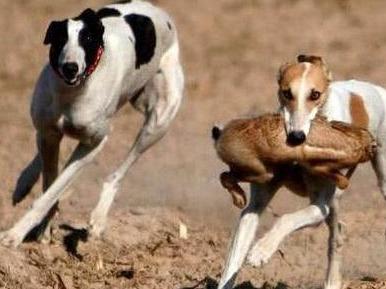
(296, 137)
(70, 69)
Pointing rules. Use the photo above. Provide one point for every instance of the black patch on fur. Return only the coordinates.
(57, 36)
(108, 12)
(91, 35)
(169, 25)
(123, 2)
(216, 133)
(145, 37)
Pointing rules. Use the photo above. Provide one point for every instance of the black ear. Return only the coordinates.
(90, 17)
(51, 32)
(87, 14)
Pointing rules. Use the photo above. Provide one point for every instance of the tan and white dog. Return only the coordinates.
(305, 90)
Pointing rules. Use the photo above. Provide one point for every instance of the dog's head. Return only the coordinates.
(302, 93)
(76, 45)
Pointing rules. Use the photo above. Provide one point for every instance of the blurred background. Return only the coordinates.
(231, 51)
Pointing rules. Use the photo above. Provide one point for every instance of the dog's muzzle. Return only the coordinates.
(296, 137)
(70, 72)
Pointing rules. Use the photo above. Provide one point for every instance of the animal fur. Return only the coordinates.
(99, 61)
(253, 148)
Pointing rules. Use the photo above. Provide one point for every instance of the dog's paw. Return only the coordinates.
(261, 253)
(96, 228)
(10, 239)
(334, 284)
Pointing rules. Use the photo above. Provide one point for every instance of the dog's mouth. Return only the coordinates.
(74, 81)
(72, 75)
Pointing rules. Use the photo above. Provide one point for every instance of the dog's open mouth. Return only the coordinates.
(73, 81)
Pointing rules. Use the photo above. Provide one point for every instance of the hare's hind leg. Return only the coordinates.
(252, 172)
(323, 154)
(334, 175)
(230, 182)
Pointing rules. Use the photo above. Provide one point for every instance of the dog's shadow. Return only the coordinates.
(210, 283)
(72, 239)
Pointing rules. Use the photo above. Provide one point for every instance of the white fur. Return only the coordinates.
(72, 51)
(85, 111)
(300, 119)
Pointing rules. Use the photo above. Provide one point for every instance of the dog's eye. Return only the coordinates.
(315, 95)
(87, 37)
(287, 94)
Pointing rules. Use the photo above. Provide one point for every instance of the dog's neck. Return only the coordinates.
(91, 68)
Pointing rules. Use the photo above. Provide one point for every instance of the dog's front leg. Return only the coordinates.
(262, 251)
(48, 142)
(335, 245)
(83, 155)
(246, 231)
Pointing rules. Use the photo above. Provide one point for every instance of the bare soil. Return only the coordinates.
(231, 52)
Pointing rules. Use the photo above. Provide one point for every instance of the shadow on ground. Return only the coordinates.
(210, 283)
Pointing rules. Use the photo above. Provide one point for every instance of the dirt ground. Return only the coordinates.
(231, 52)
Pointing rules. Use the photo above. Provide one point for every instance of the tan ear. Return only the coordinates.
(281, 71)
(316, 60)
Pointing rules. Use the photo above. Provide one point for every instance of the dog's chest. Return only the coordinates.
(84, 125)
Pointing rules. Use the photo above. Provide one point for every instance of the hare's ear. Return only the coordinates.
(316, 60)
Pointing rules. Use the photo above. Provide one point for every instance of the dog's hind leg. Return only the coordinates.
(27, 180)
(160, 102)
(81, 157)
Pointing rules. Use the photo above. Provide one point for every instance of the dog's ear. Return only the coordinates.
(316, 60)
(51, 32)
(281, 71)
(87, 14)
(92, 19)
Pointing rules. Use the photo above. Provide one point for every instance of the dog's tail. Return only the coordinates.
(216, 132)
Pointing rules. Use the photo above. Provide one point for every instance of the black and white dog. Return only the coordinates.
(125, 52)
